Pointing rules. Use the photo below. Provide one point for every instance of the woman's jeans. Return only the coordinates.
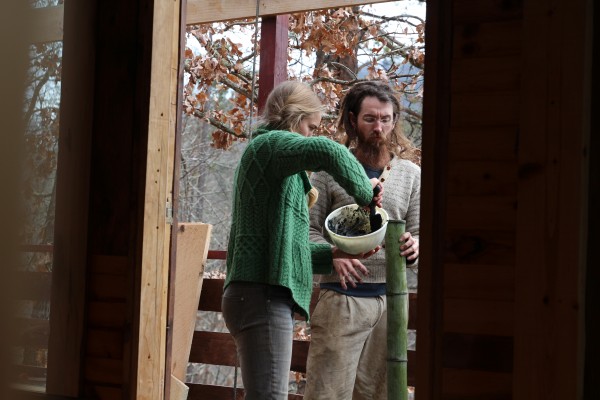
(260, 318)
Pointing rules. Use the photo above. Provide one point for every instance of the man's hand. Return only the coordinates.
(409, 247)
(349, 268)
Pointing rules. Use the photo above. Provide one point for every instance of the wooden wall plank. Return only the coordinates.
(105, 343)
(490, 74)
(482, 178)
(552, 187)
(487, 39)
(479, 317)
(110, 264)
(497, 143)
(104, 370)
(105, 392)
(478, 352)
(485, 109)
(475, 385)
(484, 282)
(202, 11)
(479, 247)
(482, 212)
(105, 287)
(106, 315)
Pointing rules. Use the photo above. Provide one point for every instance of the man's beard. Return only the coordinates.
(374, 153)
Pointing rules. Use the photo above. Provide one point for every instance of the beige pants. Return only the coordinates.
(347, 354)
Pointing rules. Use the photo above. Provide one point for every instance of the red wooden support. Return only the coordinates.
(273, 55)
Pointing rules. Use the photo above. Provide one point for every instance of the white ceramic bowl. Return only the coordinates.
(356, 244)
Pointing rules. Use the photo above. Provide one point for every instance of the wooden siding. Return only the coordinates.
(501, 317)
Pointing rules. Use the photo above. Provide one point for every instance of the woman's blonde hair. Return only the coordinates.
(288, 104)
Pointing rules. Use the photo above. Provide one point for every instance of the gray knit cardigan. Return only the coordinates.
(401, 200)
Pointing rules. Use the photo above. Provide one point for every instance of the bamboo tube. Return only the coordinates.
(397, 312)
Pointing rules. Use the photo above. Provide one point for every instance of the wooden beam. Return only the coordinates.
(162, 118)
(67, 320)
(436, 132)
(273, 55)
(47, 24)
(204, 11)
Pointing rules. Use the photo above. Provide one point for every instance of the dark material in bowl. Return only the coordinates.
(355, 224)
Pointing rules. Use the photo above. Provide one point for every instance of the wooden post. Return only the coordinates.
(273, 55)
(397, 314)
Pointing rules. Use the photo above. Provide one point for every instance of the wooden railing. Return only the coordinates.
(211, 348)
(216, 348)
(32, 334)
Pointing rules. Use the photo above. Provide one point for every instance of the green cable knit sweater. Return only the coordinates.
(269, 238)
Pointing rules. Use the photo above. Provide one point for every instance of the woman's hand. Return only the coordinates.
(349, 268)
(378, 198)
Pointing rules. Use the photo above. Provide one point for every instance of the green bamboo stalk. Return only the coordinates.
(397, 312)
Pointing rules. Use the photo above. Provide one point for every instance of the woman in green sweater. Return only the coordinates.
(270, 261)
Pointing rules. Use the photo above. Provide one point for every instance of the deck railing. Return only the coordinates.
(216, 348)
(212, 348)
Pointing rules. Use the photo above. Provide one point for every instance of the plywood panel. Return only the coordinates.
(192, 247)
(479, 247)
(497, 143)
(494, 109)
(487, 39)
(482, 212)
(484, 282)
(482, 178)
(479, 317)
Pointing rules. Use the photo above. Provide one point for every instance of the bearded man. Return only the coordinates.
(347, 355)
